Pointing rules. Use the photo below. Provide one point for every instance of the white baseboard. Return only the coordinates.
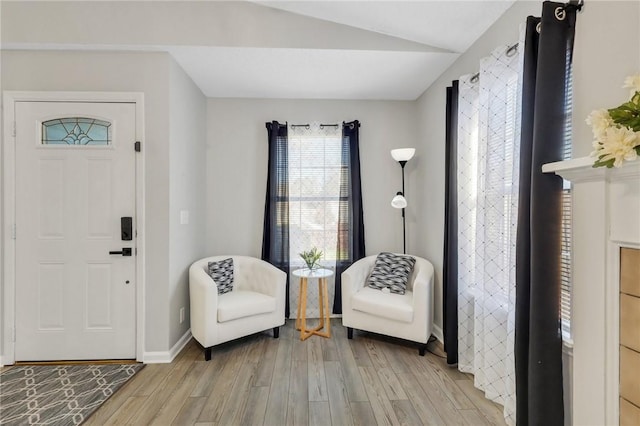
(180, 344)
(159, 357)
(165, 357)
(437, 332)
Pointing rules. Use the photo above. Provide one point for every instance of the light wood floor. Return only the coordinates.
(259, 380)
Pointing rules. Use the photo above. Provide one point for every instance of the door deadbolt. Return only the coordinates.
(126, 228)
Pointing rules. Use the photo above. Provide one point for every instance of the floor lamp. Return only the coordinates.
(402, 155)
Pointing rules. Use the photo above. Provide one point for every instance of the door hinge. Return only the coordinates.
(13, 232)
(137, 146)
(13, 130)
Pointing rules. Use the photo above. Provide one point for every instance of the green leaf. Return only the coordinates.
(628, 114)
(609, 163)
(600, 163)
(311, 257)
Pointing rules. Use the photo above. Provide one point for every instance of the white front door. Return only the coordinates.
(75, 180)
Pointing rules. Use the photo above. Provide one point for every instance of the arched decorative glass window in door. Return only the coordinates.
(76, 131)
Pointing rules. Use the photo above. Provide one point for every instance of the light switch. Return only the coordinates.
(184, 217)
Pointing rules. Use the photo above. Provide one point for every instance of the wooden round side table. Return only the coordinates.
(301, 321)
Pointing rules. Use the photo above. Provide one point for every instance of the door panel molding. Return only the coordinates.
(8, 161)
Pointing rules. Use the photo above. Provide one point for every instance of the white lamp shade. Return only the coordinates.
(403, 154)
(399, 202)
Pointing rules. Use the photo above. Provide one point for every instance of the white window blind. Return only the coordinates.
(565, 259)
(315, 166)
(314, 189)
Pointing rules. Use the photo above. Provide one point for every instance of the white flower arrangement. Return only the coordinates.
(616, 131)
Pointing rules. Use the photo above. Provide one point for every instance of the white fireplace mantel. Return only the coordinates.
(606, 217)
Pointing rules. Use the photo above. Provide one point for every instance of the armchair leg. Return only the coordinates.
(422, 349)
(207, 354)
(276, 332)
(349, 333)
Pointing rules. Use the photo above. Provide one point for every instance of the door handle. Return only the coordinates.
(126, 251)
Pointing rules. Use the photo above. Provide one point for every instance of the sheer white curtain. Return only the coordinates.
(488, 154)
(315, 162)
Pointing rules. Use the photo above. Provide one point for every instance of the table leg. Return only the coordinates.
(303, 302)
(321, 301)
(324, 310)
(299, 304)
(326, 307)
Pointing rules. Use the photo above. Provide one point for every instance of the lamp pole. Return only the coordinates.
(402, 155)
(404, 226)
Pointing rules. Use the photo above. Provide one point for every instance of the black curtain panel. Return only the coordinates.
(538, 342)
(450, 265)
(275, 237)
(350, 217)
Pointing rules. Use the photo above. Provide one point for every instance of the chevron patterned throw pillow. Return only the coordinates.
(222, 274)
(391, 271)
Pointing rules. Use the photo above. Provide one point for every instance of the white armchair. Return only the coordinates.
(255, 304)
(408, 316)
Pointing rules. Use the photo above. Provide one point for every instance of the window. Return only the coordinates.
(565, 260)
(314, 170)
(313, 198)
(565, 263)
(315, 167)
(488, 160)
(76, 131)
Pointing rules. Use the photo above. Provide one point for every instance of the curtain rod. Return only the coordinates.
(577, 4)
(322, 126)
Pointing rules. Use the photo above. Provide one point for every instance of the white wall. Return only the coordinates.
(124, 72)
(607, 48)
(237, 167)
(187, 179)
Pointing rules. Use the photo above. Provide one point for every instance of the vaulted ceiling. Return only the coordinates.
(390, 50)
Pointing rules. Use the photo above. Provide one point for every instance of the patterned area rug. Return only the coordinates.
(58, 394)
